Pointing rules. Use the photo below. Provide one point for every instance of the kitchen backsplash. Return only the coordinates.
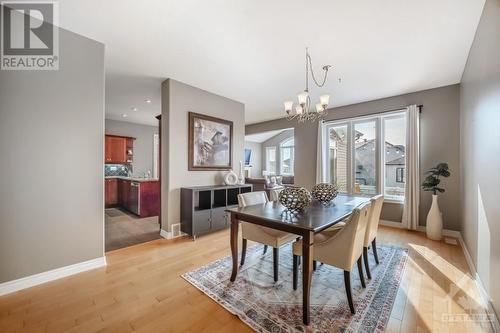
(117, 170)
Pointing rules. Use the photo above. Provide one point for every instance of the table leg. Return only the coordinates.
(307, 268)
(234, 245)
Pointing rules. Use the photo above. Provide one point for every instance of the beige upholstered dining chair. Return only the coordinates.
(340, 248)
(275, 194)
(259, 234)
(371, 231)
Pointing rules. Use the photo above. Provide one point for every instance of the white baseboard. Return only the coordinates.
(485, 297)
(165, 234)
(170, 235)
(392, 224)
(54, 274)
(446, 232)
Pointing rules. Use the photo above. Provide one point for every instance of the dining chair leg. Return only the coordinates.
(360, 271)
(276, 255)
(314, 265)
(347, 281)
(265, 249)
(295, 271)
(374, 245)
(243, 251)
(367, 266)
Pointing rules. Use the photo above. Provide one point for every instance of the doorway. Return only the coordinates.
(132, 183)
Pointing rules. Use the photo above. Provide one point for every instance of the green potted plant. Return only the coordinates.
(434, 228)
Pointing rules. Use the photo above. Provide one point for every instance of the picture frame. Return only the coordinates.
(210, 143)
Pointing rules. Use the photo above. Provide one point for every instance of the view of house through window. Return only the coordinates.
(367, 155)
(395, 147)
(287, 152)
(337, 162)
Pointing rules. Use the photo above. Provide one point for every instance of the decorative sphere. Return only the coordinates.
(295, 198)
(324, 192)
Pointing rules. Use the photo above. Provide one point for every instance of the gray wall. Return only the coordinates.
(177, 100)
(255, 158)
(143, 144)
(439, 133)
(51, 148)
(480, 150)
(275, 141)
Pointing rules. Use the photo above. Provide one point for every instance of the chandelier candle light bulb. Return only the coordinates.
(324, 100)
(302, 97)
(288, 106)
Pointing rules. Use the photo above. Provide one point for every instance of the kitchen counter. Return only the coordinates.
(140, 196)
(133, 179)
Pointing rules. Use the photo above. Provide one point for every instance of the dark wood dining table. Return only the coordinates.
(313, 219)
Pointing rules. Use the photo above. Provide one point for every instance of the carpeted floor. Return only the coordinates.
(275, 307)
(125, 229)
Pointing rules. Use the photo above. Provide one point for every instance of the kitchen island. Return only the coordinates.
(140, 196)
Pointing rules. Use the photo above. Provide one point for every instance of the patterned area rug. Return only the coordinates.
(275, 307)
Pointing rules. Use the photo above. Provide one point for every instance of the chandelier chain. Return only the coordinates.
(310, 65)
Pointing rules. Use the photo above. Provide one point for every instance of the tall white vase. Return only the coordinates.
(434, 226)
(241, 178)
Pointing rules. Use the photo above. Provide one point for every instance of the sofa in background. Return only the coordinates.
(260, 184)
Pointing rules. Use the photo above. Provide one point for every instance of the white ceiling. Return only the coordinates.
(253, 51)
(263, 136)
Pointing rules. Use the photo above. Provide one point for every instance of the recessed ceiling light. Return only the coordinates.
(124, 115)
(148, 101)
(134, 109)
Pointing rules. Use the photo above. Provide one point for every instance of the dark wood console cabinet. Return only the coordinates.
(203, 208)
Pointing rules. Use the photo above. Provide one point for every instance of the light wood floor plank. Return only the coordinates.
(141, 291)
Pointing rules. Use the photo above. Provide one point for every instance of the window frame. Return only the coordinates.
(380, 148)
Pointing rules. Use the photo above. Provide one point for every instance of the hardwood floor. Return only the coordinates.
(141, 290)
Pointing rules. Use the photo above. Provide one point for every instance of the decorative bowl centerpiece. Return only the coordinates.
(324, 192)
(295, 198)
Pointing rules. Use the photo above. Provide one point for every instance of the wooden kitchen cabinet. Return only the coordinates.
(118, 149)
(111, 192)
(149, 199)
(123, 193)
(139, 197)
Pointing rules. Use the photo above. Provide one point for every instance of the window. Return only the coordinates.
(271, 160)
(400, 175)
(367, 155)
(287, 156)
(394, 130)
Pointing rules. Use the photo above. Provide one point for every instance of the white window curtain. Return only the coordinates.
(412, 172)
(320, 155)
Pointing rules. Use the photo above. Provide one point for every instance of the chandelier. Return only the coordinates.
(303, 111)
